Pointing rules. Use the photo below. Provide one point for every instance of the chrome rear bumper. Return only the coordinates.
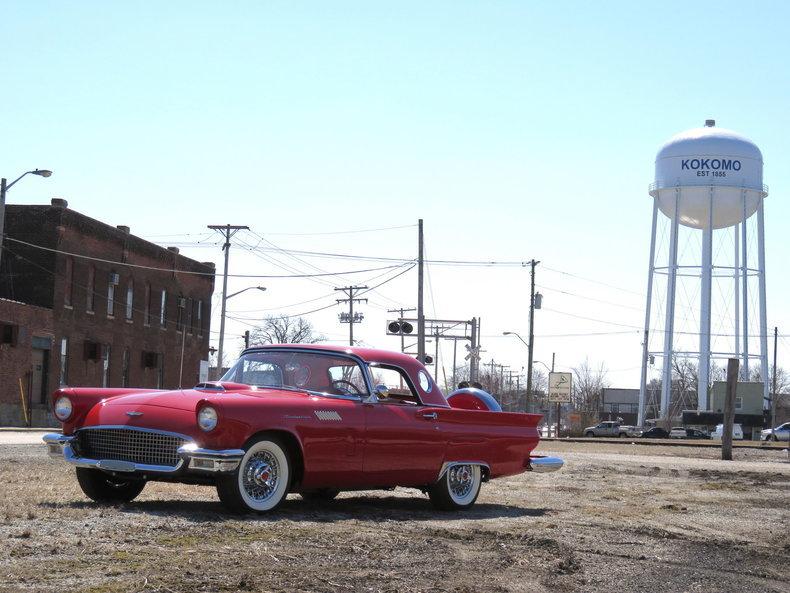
(544, 465)
(192, 458)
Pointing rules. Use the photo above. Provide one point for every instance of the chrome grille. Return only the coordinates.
(137, 446)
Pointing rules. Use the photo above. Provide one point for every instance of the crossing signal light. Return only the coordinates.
(399, 328)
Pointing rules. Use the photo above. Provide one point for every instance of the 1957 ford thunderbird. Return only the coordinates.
(312, 419)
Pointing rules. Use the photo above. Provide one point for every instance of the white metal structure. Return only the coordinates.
(709, 186)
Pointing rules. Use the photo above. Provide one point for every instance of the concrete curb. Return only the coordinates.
(672, 442)
(29, 429)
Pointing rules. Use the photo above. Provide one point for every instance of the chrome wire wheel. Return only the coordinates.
(461, 480)
(260, 476)
(263, 477)
(462, 483)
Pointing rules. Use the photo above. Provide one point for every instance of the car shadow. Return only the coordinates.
(348, 507)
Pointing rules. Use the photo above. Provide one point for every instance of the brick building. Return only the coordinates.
(117, 312)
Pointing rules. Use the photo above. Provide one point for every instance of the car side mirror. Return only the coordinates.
(381, 391)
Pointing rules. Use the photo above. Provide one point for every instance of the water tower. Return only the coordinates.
(707, 261)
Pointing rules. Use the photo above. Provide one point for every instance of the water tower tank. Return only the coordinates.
(705, 166)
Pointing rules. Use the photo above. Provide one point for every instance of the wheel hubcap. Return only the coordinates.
(261, 475)
(461, 479)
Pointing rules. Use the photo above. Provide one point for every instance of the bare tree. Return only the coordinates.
(588, 384)
(685, 379)
(283, 329)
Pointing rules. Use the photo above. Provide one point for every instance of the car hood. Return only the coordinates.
(188, 399)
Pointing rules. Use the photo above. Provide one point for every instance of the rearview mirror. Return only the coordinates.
(381, 391)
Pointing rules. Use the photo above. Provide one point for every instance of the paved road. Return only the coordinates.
(22, 437)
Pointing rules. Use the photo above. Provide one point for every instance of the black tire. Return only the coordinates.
(445, 494)
(320, 495)
(106, 488)
(774, 438)
(589, 434)
(621, 435)
(262, 480)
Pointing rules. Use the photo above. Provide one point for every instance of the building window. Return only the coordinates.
(129, 299)
(200, 318)
(91, 294)
(111, 284)
(105, 359)
(64, 362)
(189, 307)
(147, 303)
(125, 368)
(180, 314)
(163, 309)
(738, 403)
(69, 287)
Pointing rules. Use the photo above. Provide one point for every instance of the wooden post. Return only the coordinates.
(729, 409)
(24, 402)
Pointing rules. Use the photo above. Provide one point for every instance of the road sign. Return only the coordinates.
(560, 388)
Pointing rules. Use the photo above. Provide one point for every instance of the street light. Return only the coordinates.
(261, 288)
(222, 319)
(4, 187)
(517, 335)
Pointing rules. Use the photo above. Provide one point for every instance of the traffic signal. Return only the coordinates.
(398, 328)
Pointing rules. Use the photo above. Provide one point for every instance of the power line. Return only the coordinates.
(175, 271)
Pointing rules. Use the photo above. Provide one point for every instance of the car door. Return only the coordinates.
(404, 443)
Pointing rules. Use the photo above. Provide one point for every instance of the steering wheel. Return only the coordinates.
(347, 391)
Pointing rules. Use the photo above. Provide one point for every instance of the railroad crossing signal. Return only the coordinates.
(473, 353)
(398, 328)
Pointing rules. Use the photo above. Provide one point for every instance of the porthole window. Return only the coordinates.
(425, 382)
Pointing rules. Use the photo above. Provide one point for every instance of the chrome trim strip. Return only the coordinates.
(544, 465)
(448, 464)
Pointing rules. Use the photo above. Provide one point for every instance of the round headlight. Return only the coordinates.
(207, 418)
(63, 408)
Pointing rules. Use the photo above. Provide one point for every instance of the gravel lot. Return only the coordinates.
(618, 517)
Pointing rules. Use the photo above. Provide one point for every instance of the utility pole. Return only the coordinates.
(420, 307)
(531, 344)
(559, 405)
(401, 311)
(350, 291)
(474, 359)
(729, 409)
(773, 395)
(226, 231)
(247, 339)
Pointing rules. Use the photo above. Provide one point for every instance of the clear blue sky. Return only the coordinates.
(515, 129)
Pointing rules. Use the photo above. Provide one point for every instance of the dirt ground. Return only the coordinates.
(615, 518)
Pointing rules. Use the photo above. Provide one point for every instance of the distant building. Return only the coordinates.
(75, 310)
(748, 406)
(620, 403)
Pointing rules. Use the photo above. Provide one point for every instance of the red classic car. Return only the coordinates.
(312, 419)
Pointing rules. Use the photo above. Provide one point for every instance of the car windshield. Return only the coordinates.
(316, 372)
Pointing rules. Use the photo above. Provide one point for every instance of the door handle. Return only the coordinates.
(430, 415)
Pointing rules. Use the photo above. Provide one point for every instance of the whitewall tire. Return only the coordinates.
(262, 480)
(458, 488)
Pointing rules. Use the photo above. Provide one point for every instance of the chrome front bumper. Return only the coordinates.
(544, 465)
(192, 458)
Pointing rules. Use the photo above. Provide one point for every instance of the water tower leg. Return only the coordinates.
(669, 323)
(763, 313)
(745, 290)
(705, 309)
(737, 290)
(645, 352)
